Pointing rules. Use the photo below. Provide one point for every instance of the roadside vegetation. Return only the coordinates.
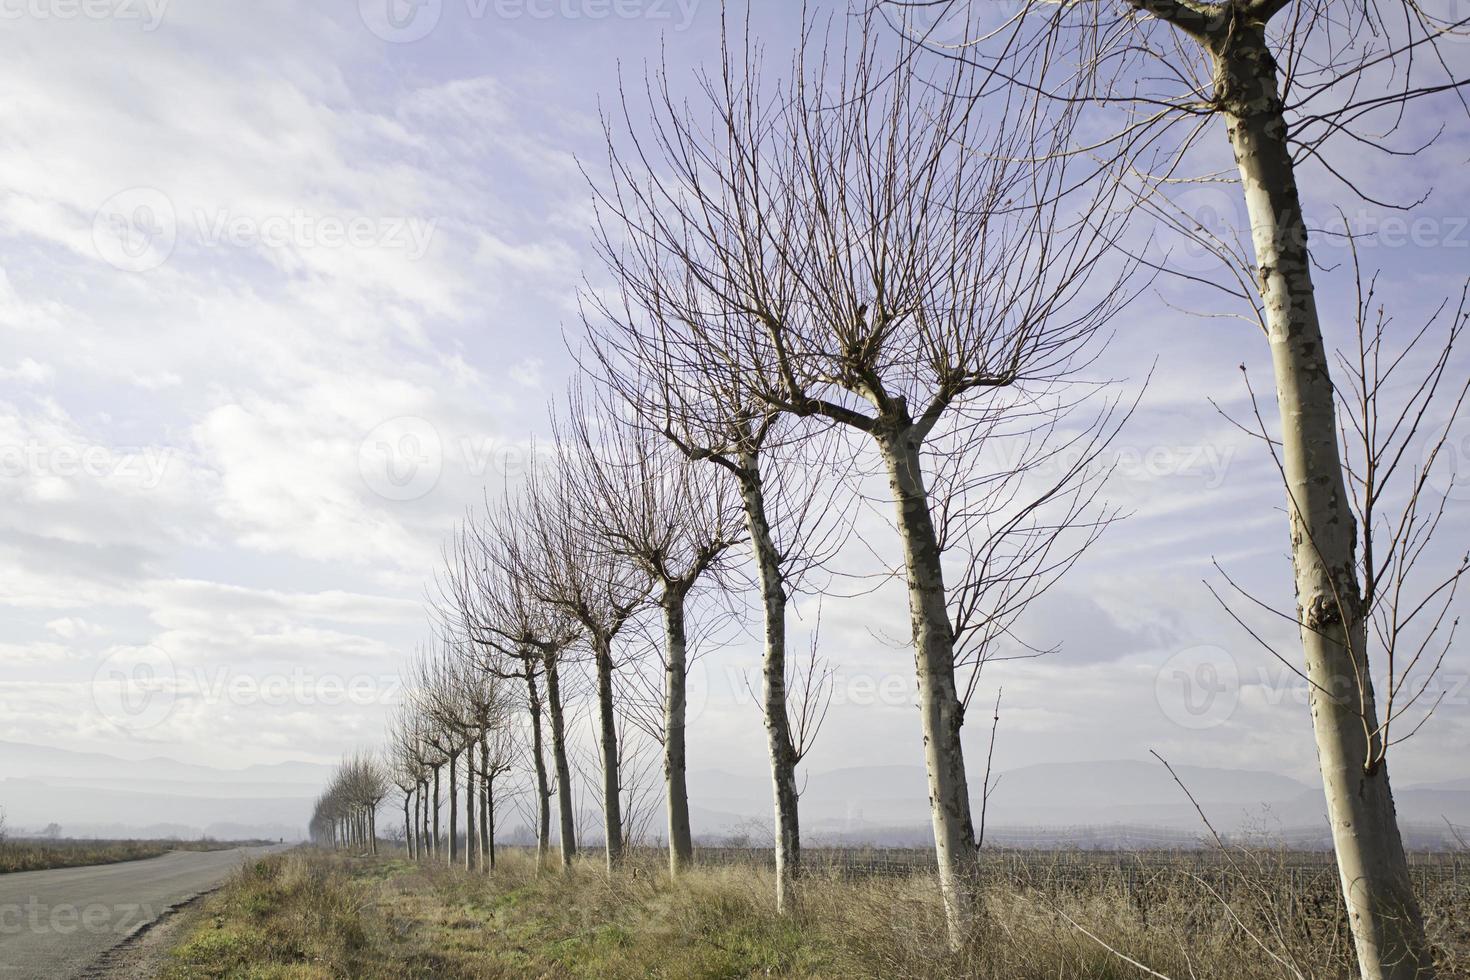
(30, 854)
(314, 914)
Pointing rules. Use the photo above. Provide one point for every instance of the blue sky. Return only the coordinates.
(283, 290)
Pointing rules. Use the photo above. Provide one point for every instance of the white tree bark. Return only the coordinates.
(676, 671)
(563, 767)
(940, 711)
(487, 786)
(469, 806)
(773, 684)
(538, 765)
(612, 810)
(453, 850)
(1384, 914)
(435, 849)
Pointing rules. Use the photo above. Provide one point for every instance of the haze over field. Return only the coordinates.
(98, 795)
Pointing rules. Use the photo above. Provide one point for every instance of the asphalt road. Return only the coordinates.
(53, 924)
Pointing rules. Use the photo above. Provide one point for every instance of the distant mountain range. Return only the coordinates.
(1109, 803)
(1055, 804)
(91, 794)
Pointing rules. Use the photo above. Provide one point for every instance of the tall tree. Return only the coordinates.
(573, 571)
(1289, 81)
(788, 493)
(486, 594)
(837, 240)
(441, 703)
(674, 521)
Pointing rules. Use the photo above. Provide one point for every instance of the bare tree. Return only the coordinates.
(674, 521)
(439, 701)
(637, 769)
(1389, 403)
(838, 243)
(1290, 82)
(487, 710)
(432, 743)
(488, 595)
(498, 753)
(706, 410)
(570, 569)
(405, 763)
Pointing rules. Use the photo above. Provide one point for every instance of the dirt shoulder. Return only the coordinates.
(143, 954)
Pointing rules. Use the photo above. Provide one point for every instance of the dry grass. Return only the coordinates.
(317, 915)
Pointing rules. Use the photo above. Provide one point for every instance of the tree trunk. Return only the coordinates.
(372, 822)
(1387, 925)
(489, 825)
(436, 812)
(563, 768)
(538, 758)
(407, 826)
(940, 712)
(676, 677)
(425, 843)
(612, 810)
(470, 839)
(453, 811)
(487, 784)
(773, 683)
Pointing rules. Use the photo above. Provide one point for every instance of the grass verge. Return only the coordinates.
(309, 915)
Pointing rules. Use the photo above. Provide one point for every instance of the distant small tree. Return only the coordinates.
(52, 831)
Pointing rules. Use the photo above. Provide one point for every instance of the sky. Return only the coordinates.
(285, 287)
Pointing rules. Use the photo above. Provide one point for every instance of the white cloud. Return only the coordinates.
(528, 373)
(28, 371)
(75, 628)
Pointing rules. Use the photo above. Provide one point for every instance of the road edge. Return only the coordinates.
(138, 954)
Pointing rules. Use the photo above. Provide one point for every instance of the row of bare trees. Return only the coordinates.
(820, 295)
(882, 274)
(609, 563)
(822, 255)
(346, 814)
